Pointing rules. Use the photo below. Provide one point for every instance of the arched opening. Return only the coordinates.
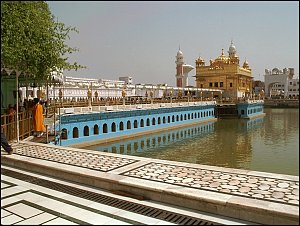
(128, 125)
(169, 119)
(64, 134)
(121, 126)
(184, 116)
(142, 123)
(105, 130)
(173, 118)
(164, 120)
(113, 127)
(181, 117)
(148, 122)
(135, 124)
(177, 118)
(96, 129)
(86, 131)
(75, 132)
(158, 121)
(153, 121)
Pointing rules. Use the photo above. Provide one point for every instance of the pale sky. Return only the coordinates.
(141, 38)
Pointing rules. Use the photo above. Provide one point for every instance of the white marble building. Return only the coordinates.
(73, 88)
(281, 83)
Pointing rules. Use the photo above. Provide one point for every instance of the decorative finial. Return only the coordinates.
(179, 46)
(222, 51)
(231, 41)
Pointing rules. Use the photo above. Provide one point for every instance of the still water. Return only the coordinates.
(268, 144)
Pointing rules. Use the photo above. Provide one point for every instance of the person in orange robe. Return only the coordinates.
(38, 118)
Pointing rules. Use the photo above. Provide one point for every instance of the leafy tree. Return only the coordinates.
(32, 41)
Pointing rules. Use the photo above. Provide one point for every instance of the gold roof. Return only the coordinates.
(222, 57)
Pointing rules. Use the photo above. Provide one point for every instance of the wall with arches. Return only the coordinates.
(79, 128)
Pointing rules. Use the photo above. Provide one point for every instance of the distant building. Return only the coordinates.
(127, 80)
(293, 88)
(226, 74)
(280, 83)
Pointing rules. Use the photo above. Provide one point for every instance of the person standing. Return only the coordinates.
(38, 118)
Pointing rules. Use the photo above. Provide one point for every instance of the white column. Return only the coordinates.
(23, 96)
(35, 92)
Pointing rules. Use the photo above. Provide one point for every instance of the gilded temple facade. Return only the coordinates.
(225, 73)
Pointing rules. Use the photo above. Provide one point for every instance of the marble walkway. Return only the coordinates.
(248, 195)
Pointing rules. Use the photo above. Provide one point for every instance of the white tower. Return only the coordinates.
(179, 68)
(182, 70)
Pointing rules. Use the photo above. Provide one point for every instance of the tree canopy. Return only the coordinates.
(32, 41)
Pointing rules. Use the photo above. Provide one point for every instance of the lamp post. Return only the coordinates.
(179, 94)
(146, 95)
(221, 96)
(89, 95)
(201, 95)
(151, 97)
(96, 96)
(60, 95)
(123, 96)
(171, 96)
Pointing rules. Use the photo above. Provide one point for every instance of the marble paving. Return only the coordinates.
(276, 193)
(267, 188)
(257, 187)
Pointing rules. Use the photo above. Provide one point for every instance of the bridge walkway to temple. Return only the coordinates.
(232, 196)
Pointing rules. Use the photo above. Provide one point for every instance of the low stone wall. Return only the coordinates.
(281, 103)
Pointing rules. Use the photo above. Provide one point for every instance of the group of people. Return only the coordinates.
(38, 123)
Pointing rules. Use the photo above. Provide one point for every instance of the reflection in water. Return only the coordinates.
(156, 142)
(268, 144)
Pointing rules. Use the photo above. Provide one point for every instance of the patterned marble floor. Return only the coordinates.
(251, 186)
(206, 181)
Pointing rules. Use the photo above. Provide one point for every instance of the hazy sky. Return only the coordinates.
(141, 39)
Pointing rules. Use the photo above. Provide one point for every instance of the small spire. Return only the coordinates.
(231, 41)
(179, 46)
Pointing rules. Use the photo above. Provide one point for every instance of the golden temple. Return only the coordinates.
(226, 74)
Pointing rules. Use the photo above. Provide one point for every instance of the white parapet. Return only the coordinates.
(109, 108)
(68, 110)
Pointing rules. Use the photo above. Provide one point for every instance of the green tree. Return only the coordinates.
(32, 41)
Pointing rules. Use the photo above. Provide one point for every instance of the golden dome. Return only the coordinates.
(246, 65)
(222, 57)
(200, 61)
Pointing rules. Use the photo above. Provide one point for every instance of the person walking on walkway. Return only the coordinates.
(6, 146)
(38, 118)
